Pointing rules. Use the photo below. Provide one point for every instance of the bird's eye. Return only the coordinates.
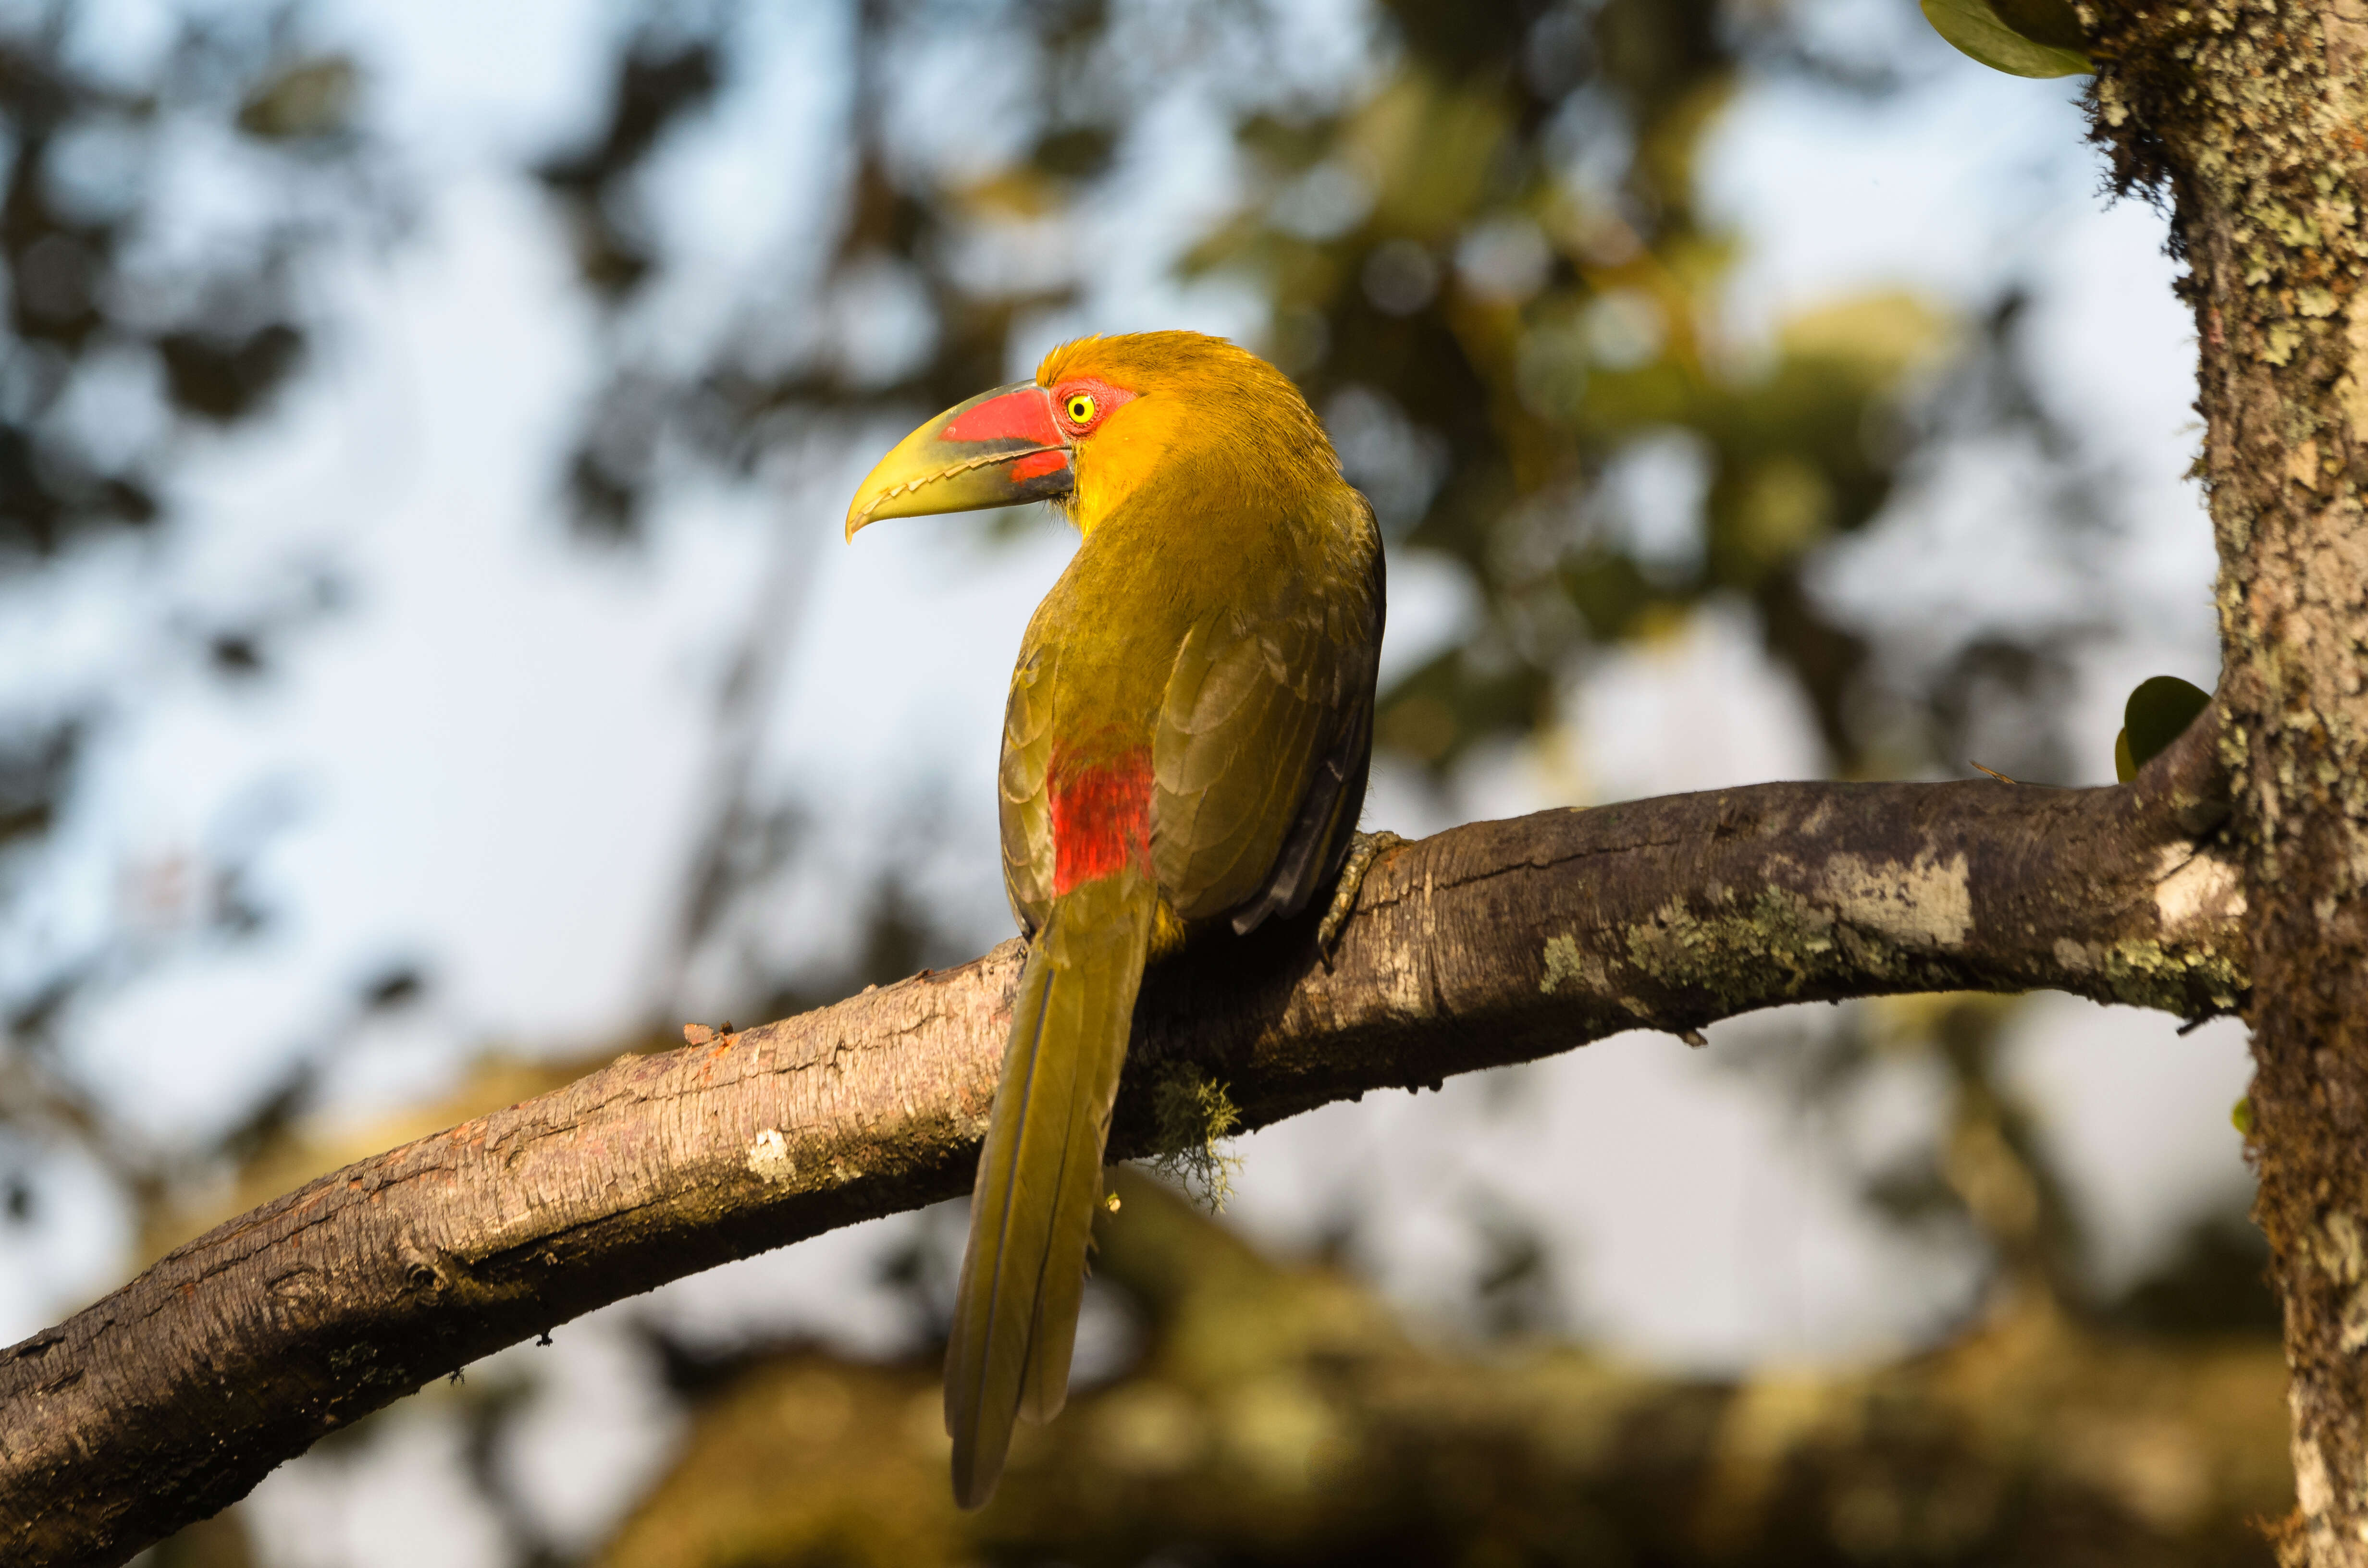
(1081, 408)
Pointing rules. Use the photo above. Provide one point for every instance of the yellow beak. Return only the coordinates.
(999, 449)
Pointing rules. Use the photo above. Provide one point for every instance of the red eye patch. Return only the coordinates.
(1103, 397)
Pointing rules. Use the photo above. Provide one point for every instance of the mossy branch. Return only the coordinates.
(1492, 943)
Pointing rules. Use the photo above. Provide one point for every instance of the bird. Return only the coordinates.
(1186, 744)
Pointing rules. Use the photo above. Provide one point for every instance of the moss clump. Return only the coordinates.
(1192, 1117)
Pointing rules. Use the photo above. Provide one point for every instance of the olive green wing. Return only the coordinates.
(1318, 840)
(1260, 752)
(1025, 804)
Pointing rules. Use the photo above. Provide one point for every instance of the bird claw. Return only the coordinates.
(1362, 848)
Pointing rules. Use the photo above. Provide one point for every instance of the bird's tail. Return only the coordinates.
(1040, 1175)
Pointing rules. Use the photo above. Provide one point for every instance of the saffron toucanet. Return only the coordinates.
(1185, 748)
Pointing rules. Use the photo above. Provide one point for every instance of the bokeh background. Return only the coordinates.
(428, 666)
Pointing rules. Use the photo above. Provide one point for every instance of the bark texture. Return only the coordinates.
(2253, 119)
(1492, 943)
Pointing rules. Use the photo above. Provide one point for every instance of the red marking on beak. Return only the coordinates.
(1036, 463)
(1025, 415)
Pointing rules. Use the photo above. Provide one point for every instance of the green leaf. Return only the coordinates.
(2126, 767)
(313, 98)
(2240, 1116)
(2158, 713)
(2051, 22)
(2021, 37)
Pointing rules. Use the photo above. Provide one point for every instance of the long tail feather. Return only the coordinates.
(1040, 1175)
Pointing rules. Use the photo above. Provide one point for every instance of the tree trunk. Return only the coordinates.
(2252, 117)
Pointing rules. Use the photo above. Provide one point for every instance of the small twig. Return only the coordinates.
(2024, 783)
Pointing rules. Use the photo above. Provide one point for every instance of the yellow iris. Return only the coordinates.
(1081, 408)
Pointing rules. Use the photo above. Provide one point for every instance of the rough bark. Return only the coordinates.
(2252, 119)
(1492, 943)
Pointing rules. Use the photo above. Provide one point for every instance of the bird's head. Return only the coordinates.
(1103, 417)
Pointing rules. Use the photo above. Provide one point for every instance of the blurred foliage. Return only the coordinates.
(1482, 249)
(105, 305)
(1502, 315)
(221, 1541)
(1278, 1414)
(1989, 1172)
(1492, 274)
(152, 296)
(1264, 1412)
(1991, 1181)
(1485, 263)
(655, 88)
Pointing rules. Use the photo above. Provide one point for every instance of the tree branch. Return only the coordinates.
(1493, 943)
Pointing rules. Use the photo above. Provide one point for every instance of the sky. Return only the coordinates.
(496, 770)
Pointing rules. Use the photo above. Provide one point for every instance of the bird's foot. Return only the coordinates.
(1362, 848)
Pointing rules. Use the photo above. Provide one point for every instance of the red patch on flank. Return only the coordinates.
(1024, 415)
(1036, 463)
(1101, 819)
